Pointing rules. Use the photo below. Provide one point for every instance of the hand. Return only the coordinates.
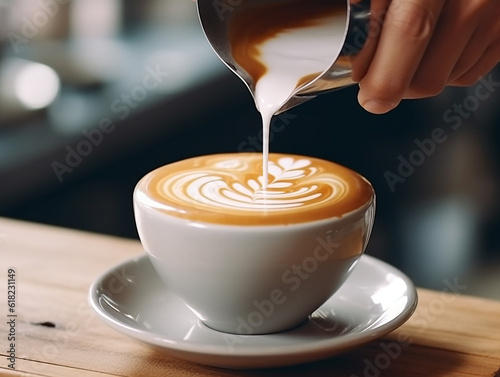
(422, 46)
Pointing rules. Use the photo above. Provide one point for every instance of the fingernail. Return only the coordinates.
(374, 106)
(377, 107)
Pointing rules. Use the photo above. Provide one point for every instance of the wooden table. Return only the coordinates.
(57, 334)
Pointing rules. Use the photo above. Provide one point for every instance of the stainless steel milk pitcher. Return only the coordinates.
(215, 16)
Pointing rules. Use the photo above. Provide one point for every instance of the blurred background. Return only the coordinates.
(96, 93)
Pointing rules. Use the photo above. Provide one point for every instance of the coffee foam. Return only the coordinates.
(229, 189)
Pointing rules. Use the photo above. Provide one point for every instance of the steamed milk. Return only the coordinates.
(284, 47)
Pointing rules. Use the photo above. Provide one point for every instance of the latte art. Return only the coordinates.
(293, 183)
(229, 188)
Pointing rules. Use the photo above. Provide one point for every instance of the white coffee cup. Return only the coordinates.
(250, 279)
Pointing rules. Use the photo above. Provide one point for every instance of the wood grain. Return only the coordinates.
(57, 334)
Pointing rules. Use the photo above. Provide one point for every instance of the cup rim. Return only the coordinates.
(256, 227)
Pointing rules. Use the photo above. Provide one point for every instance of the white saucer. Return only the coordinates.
(376, 299)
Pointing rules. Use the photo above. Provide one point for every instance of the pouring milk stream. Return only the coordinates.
(286, 51)
(284, 47)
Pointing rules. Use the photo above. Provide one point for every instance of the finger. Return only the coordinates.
(360, 64)
(485, 64)
(452, 34)
(406, 32)
(486, 35)
(471, 56)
